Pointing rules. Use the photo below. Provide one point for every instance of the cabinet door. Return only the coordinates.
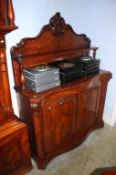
(88, 105)
(59, 120)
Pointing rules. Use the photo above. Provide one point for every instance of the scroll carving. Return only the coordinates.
(57, 24)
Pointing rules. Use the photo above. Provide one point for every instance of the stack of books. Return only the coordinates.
(41, 78)
(90, 65)
(70, 71)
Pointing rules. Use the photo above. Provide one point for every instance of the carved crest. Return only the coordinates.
(57, 24)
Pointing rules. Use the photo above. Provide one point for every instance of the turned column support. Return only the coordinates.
(7, 25)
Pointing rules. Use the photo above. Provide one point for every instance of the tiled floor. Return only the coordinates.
(99, 150)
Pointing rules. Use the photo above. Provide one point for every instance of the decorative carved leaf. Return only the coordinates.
(57, 24)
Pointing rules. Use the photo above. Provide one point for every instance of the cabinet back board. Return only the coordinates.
(56, 41)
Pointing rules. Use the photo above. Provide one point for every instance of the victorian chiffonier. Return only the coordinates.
(59, 118)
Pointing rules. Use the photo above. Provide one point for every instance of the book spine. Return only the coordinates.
(44, 87)
(41, 75)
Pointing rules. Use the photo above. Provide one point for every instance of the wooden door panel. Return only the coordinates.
(59, 120)
(87, 108)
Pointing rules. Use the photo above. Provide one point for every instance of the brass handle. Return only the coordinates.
(34, 106)
(61, 101)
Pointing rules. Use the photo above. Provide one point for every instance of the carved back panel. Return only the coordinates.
(56, 41)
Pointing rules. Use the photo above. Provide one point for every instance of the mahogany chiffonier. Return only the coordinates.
(15, 157)
(60, 118)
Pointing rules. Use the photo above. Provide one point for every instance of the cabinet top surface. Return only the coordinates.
(81, 84)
